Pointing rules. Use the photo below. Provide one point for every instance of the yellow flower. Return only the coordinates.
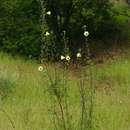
(79, 55)
(40, 68)
(86, 33)
(68, 58)
(48, 12)
(62, 57)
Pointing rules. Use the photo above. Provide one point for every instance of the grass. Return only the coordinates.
(26, 104)
(113, 96)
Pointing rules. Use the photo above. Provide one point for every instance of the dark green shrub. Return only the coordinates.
(19, 27)
(71, 16)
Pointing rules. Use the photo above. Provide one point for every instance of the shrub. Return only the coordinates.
(20, 30)
(19, 27)
(71, 16)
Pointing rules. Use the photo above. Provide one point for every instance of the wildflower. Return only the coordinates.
(79, 55)
(62, 57)
(68, 58)
(48, 12)
(47, 34)
(40, 68)
(86, 33)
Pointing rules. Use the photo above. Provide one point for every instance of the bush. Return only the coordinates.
(20, 26)
(71, 16)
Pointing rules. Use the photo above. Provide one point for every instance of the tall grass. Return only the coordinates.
(27, 105)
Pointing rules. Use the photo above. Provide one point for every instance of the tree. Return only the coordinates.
(71, 15)
(19, 27)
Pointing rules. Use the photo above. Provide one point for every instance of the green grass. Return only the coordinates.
(113, 104)
(26, 103)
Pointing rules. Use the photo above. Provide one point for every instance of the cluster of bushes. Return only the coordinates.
(20, 25)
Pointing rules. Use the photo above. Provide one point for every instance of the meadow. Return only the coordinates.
(25, 104)
(60, 97)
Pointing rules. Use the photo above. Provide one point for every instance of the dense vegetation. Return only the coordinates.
(25, 103)
(69, 94)
(19, 26)
(20, 29)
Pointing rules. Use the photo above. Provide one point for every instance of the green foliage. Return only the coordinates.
(19, 26)
(20, 30)
(70, 16)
